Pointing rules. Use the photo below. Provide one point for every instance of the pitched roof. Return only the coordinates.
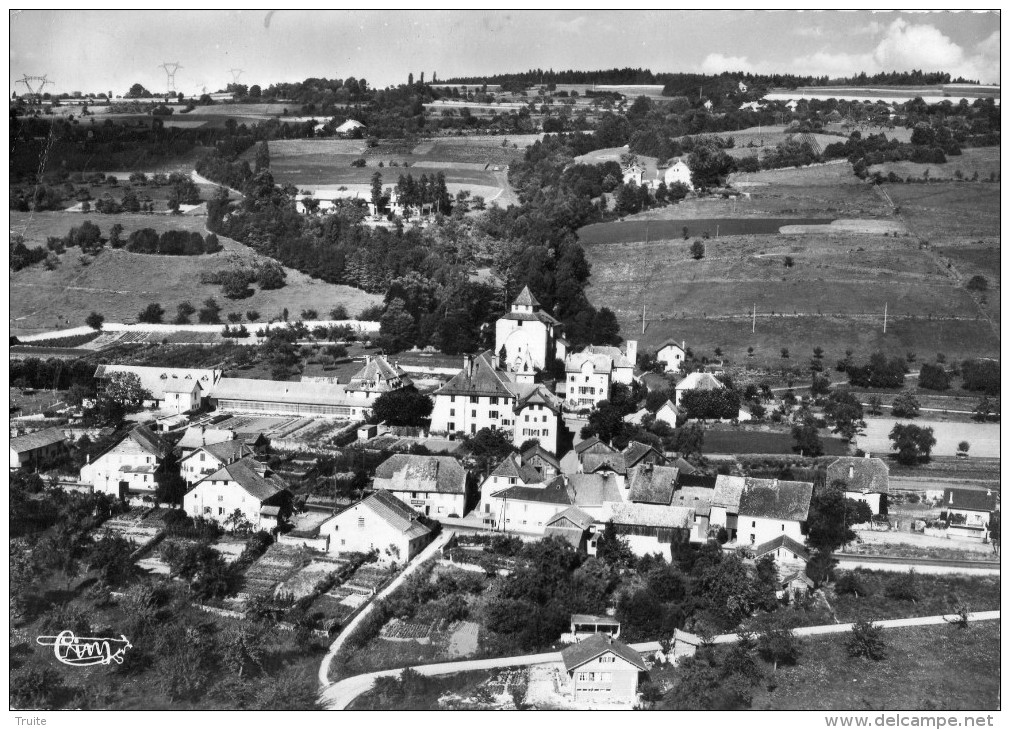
(670, 343)
(150, 441)
(687, 469)
(526, 298)
(597, 645)
(635, 451)
(776, 499)
(181, 386)
(36, 440)
(700, 381)
(281, 391)
(651, 515)
(781, 541)
(697, 498)
(197, 436)
(727, 492)
(572, 535)
(652, 484)
(555, 492)
(396, 514)
(535, 393)
(588, 618)
(155, 379)
(225, 451)
(538, 315)
(539, 451)
(481, 378)
(573, 515)
(379, 375)
(603, 357)
(970, 499)
(512, 466)
(594, 443)
(594, 489)
(421, 473)
(868, 475)
(251, 476)
(600, 462)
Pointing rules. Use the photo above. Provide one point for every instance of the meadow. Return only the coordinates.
(981, 160)
(118, 284)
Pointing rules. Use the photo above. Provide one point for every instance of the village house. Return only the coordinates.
(696, 381)
(206, 460)
(379, 522)
(242, 490)
(542, 460)
(195, 437)
(34, 450)
(678, 172)
(349, 127)
(864, 479)
(575, 527)
(699, 501)
(790, 556)
(438, 486)
(527, 336)
(633, 175)
(572, 461)
(602, 669)
(968, 511)
(171, 389)
(128, 467)
(650, 528)
(512, 471)
(671, 355)
(589, 374)
(375, 378)
(668, 413)
(772, 507)
(527, 509)
(725, 506)
(585, 626)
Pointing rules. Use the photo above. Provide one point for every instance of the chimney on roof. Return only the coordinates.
(851, 471)
(683, 345)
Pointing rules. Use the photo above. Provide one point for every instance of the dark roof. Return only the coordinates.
(781, 541)
(526, 298)
(572, 535)
(538, 450)
(597, 645)
(697, 498)
(693, 480)
(150, 441)
(652, 484)
(398, 515)
(37, 440)
(251, 476)
(511, 466)
(480, 378)
(868, 475)
(573, 515)
(421, 473)
(635, 451)
(226, 451)
(554, 493)
(970, 499)
(775, 499)
(594, 489)
(379, 375)
(598, 462)
(536, 393)
(593, 442)
(535, 316)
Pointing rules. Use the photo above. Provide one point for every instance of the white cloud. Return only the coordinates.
(716, 63)
(809, 31)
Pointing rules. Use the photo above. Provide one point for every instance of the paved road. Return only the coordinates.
(419, 559)
(339, 695)
(896, 566)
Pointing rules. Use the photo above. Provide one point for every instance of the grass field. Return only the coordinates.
(740, 441)
(983, 437)
(981, 160)
(949, 211)
(927, 668)
(938, 594)
(118, 284)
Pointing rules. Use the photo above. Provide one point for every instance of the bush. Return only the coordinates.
(904, 587)
(866, 641)
(978, 283)
(851, 584)
(933, 377)
(905, 405)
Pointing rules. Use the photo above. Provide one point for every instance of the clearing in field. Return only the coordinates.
(119, 284)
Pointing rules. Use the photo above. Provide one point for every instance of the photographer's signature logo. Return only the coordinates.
(83, 651)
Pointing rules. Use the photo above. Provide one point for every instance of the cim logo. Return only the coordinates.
(85, 651)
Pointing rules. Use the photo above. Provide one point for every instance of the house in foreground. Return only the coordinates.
(602, 669)
(433, 485)
(206, 460)
(865, 480)
(379, 522)
(246, 485)
(969, 511)
(128, 467)
(33, 450)
(671, 355)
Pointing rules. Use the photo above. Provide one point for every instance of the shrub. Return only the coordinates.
(978, 283)
(866, 641)
(903, 587)
(851, 584)
(905, 405)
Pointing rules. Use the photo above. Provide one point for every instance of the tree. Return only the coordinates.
(903, 587)
(111, 555)
(995, 531)
(137, 91)
(488, 447)
(978, 283)
(151, 314)
(402, 407)
(806, 438)
(210, 313)
(985, 410)
(844, 410)
(874, 404)
(905, 405)
(913, 443)
(271, 276)
(933, 377)
(95, 321)
(779, 645)
(262, 156)
(235, 284)
(126, 390)
(184, 311)
(377, 191)
(697, 250)
(710, 165)
(827, 526)
(866, 641)
(963, 447)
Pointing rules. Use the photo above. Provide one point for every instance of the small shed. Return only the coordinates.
(585, 625)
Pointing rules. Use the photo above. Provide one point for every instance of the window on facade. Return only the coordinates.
(752, 538)
(343, 542)
(494, 400)
(606, 660)
(452, 399)
(452, 411)
(473, 428)
(582, 676)
(754, 523)
(493, 414)
(475, 399)
(220, 510)
(783, 527)
(473, 414)
(361, 522)
(220, 498)
(206, 510)
(512, 480)
(452, 426)
(203, 457)
(441, 510)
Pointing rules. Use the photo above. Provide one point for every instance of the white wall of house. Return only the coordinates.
(33, 456)
(871, 498)
(606, 679)
(678, 173)
(671, 356)
(536, 421)
(587, 388)
(434, 504)
(199, 465)
(756, 530)
(642, 545)
(180, 402)
(491, 485)
(719, 517)
(468, 414)
(359, 529)
(513, 515)
(105, 472)
(971, 517)
(217, 500)
(521, 337)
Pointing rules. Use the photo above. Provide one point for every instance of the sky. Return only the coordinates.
(99, 50)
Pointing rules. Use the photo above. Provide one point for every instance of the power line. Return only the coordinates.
(170, 68)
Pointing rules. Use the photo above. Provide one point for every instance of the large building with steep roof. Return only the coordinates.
(527, 336)
(207, 459)
(379, 522)
(865, 479)
(591, 373)
(127, 469)
(773, 507)
(483, 396)
(32, 450)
